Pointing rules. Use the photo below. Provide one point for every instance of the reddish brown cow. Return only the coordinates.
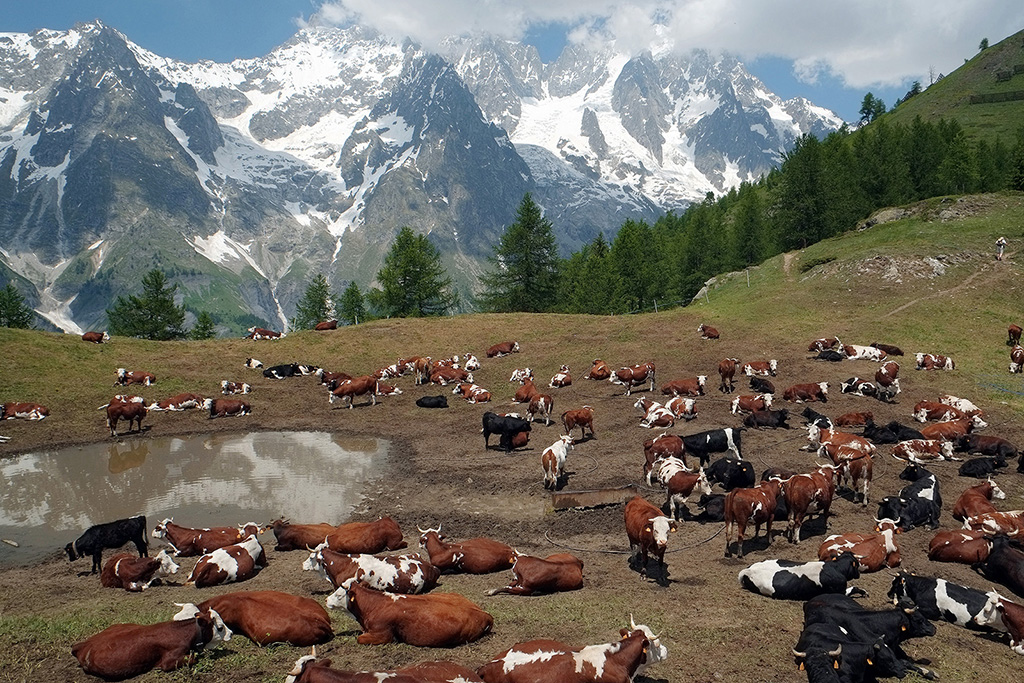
(1010, 522)
(817, 438)
(691, 386)
(434, 620)
(1012, 616)
(599, 370)
(503, 349)
(238, 562)
(226, 407)
(662, 446)
(1013, 335)
(23, 411)
(443, 376)
(934, 361)
(187, 542)
(472, 556)
(326, 325)
(707, 332)
(128, 650)
(743, 506)
(125, 378)
(131, 573)
(749, 403)
(132, 413)
(367, 537)
(263, 333)
(808, 493)
(873, 551)
(959, 545)
(887, 373)
(947, 431)
(634, 376)
(472, 393)
(933, 411)
(96, 337)
(348, 389)
(534, 576)
(266, 617)
(298, 536)
(647, 529)
(526, 392)
(763, 368)
(308, 670)
(540, 404)
(822, 344)
(395, 573)
(178, 402)
(855, 469)
(854, 419)
(727, 371)
(807, 392)
(582, 418)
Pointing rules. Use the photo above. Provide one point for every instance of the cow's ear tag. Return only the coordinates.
(835, 664)
(647, 528)
(800, 666)
(870, 663)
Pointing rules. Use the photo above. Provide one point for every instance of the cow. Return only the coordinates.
(135, 574)
(556, 573)
(1013, 335)
(109, 535)
(951, 431)
(187, 542)
(452, 362)
(707, 332)
(746, 505)
(814, 391)
(24, 411)
(470, 362)
(392, 371)
(727, 371)
(503, 349)
(1009, 522)
(253, 364)
(580, 417)
(983, 467)
(266, 617)
(763, 368)
(819, 439)
(325, 325)
(748, 404)
(552, 461)
(917, 503)
(923, 451)
(647, 530)
(367, 537)
(347, 390)
(830, 653)
(703, 444)
(298, 536)
(858, 386)
(1012, 616)
(132, 413)
(178, 402)
(680, 484)
(788, 580)
(541, 404)
(855, 470)
(808, 493)
(767, 419)
(263, 333)
(127, 650)
(521, 375)
(887, 383)
(125, 378)
(526, 391)
(308, 670)
(761, 385)
(854, 419)
(823, 344)
(282, 371)
(685, 408)
(562, 378)
(830, 356)
(328, 378)
(440, 401)
(472, 393)
(661, 446)
(226, 407)
(655, 414)
(599, 370)
(1017, 359)
(691, 386)
(731, 474)
(940, 599)
(434, 620)
(227, 388)
(634, 376)
(889, 349)
(443, 376)
(962, 404)
(237, 562)
(472, 556)
(967, 546)
(931, 411)
(816, 419)
(872, 550)
(96, 337)
(505, 427)
(122, 398)
(934, 361)
(395, 573)
(855, 352)
(977, 499)
(550, 660)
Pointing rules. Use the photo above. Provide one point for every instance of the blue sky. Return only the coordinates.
(830, 52)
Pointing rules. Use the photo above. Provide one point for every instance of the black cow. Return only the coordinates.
(731, 474)
(712, 508)
(878, 435)
(1004, 564)
(941, 599)
(282, 371)
(915, 504)
(703, 444)
(903, 432)
(889, 349)
(761, 385)
(828, 654)
(982, 466)
(505, 427)
(829, 355)
(788, 580)
(109, 535)
(816, 418)
(859, 386)
(440, 401)
(770, 419)
(985, 445)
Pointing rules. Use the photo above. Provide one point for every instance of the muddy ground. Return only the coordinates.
(440, 473)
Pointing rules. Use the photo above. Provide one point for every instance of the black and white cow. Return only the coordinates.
(731, 474)
(703, 444)
(817, 419)
(915, 504)
(858, 386)
(788, 580)
(253, 363)
(109, 535)
(941, 599)
(282, 371)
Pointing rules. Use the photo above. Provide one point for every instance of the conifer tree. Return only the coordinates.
(413, 281)
(14, 312)
(204, 327)
(154, 315)
(317, 305)
(352, 306)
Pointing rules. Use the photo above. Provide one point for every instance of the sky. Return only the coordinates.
(832, 52)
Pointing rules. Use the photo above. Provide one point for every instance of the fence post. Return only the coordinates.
(655, 305)
(748, 276)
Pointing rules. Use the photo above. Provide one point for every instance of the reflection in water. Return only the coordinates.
(48, 498)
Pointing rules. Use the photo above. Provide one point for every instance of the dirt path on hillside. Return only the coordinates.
(990, 271)
(787, 264)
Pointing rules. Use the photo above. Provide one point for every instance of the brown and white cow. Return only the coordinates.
(552, 461)
(691, 386)
(537, 576)
(967, 406)
(662, 446)
(923, 451)
(1012, 616)
(1010, 522)
(390, 372)
(472, 556)
(855, 419)
(1017, 359)
(395, 573)
(808, 493)
(966, 546)
(503, 349)
(930, 411)
(647, 530)
(266, 617)
(750, 505)
(122, 398)
(680, 483)
(521, 375)
(127, 650)
(238, 562)
(308, 670)
(188, 542)
(135, 574)
(23, 411)
(472, 393)
(226, 407)
(934, 361)
(817, 438)
(685, 408)
(634, 376)
(953, 430)
(132, 413)
(443, 376)
(823, 344)
(228, 388)
(525, 392)
(856, 352)
(470, 362)
(541, 404)
(325, 325)
(263, 333)
(327, 377)
(977, 500)
(1013, 335)
(580, 417)
(348, 389)
(763, 368)
(707, 332)
(96, 337)
(125, 378)
(807, 392)
(298, 536)
(873, 550)
(367, 537)
(562, 378)
(727, 371)
(599, 370)
(855, 468)
(655, 414)
(887, 383)
(749, 403)
(178, 402)
(433, 620)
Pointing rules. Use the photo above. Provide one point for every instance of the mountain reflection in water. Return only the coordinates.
(48, 498)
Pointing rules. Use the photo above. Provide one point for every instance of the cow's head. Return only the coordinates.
(659, 528)
(656, 652)
(425, 535)
(703, 486)
(207, 403)
(160, 530)
(72, 551)
(167, 565)
(219, 632)
(773, 367)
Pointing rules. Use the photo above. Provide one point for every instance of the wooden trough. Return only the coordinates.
(564, 500)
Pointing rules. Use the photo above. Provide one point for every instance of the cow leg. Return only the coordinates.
(141, 546)
(375, 638)
(97, 558)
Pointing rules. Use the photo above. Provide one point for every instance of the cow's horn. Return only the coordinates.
(838, 651)
(801, 655)
(632, 624)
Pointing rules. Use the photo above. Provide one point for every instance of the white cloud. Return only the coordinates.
(862, 42)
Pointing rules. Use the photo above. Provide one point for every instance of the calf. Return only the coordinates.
(977, 500)
(582, 418)
(917, 503)
(746, 505)
(599, 370)
(395, 573)
(132, 413)
(707, 332)
(432, 401)
(125, 378)
(691, 386)
(238, 562)
(562, 378)
(109, 535)
(552, 461)
(959, 545)
(435, 620)
(186, 542)
(634, 376)
(703, 444)
(503, 349)
(229, 388)
(788, 580)
(767, 419)
(680, 484)
(873, 551)
(800, 393)
(761, 367)
(727, 371)
(253, 364)
(128, 650)
(748, 404)
(982, 467)
(647, 529)
(536, 576)
(941, 599)
(505, 427)
(731, 474)
(135, 574)
(472, 556)
(934, 361)
(858, 386)
(806, 494)
(761, 385)
(266, 617)
(226, 407)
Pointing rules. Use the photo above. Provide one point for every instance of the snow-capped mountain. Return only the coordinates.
(243, 180)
